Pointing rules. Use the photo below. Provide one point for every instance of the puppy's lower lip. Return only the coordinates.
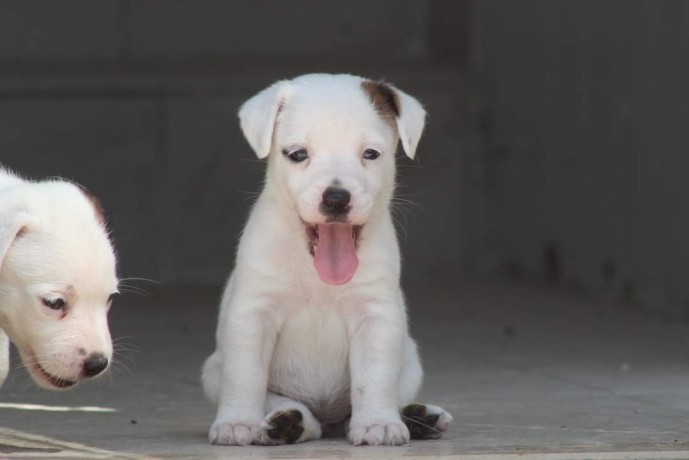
(51, 379)
(54, 381)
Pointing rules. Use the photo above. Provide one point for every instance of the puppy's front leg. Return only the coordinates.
(376, 345)
(246, 342)
(4, 356)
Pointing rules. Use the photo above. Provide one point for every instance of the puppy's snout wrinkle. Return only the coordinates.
(335, 201)
(95, 364)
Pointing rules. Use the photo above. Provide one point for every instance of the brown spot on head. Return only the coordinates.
(384, 99)
(97, 207)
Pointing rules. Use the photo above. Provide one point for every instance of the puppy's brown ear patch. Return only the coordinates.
(384, 99)
(98, 208)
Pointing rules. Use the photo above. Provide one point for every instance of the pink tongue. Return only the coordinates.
(335, 257)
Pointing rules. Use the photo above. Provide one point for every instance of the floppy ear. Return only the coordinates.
(394, 104)
(12, 223)
(257, 116)
(411, 118)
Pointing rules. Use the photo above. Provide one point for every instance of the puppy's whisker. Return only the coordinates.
(398, 194)
(130, 286)
(142, 279)
(135, 291)
(405, 202)
(417, 422)
(400, 226)
(121, 355)
(122, 337)
(248, 192)
(126, 349)
(18, 366)
(119, 344)
(251, 198)
(118, 367)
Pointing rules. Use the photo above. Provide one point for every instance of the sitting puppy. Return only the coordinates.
(57, 276)
(313, 329)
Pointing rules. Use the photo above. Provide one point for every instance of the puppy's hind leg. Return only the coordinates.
(288, 421)
(4, 356)
(425, 421)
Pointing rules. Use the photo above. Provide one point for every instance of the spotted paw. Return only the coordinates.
(284, 427)
(426, 421)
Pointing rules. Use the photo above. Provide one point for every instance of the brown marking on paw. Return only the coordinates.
(421, 424)
(286, 426)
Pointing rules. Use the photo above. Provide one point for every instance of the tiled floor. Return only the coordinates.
(524, 370)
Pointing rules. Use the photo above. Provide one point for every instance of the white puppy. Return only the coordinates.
(57, 274)
(313, 327)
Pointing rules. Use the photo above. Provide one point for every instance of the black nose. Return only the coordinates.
(95, 364)
(335, 201)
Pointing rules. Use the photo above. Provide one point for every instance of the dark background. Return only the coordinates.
(556, 148)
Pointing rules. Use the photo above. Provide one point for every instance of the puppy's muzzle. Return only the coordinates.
(95, 364)
(335, 203)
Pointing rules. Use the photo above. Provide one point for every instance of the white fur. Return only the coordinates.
(283, 333)
(52, 246)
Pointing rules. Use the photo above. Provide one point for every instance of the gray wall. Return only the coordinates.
(137, 101)
(583, 126)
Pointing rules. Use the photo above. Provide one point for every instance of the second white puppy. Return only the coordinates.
(57, 274)
(313, 327)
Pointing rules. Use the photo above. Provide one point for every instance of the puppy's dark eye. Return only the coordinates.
(371, 154)
(53, 304)
(296, 156)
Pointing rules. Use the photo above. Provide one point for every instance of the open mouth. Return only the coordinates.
(333, 247)
(50, 379)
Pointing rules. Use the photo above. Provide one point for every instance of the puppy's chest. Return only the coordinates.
(311, 360)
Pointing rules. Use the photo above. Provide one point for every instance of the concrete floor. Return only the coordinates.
(526, 371)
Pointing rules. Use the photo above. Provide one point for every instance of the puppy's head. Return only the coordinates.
(331, 142)
(57, 276)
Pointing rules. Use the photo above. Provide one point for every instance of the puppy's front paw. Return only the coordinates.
(385, 432)
(236, 433)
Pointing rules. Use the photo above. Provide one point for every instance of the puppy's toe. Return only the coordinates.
(426, 421)
(235, 434)
(388, 433)
(284, 427)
